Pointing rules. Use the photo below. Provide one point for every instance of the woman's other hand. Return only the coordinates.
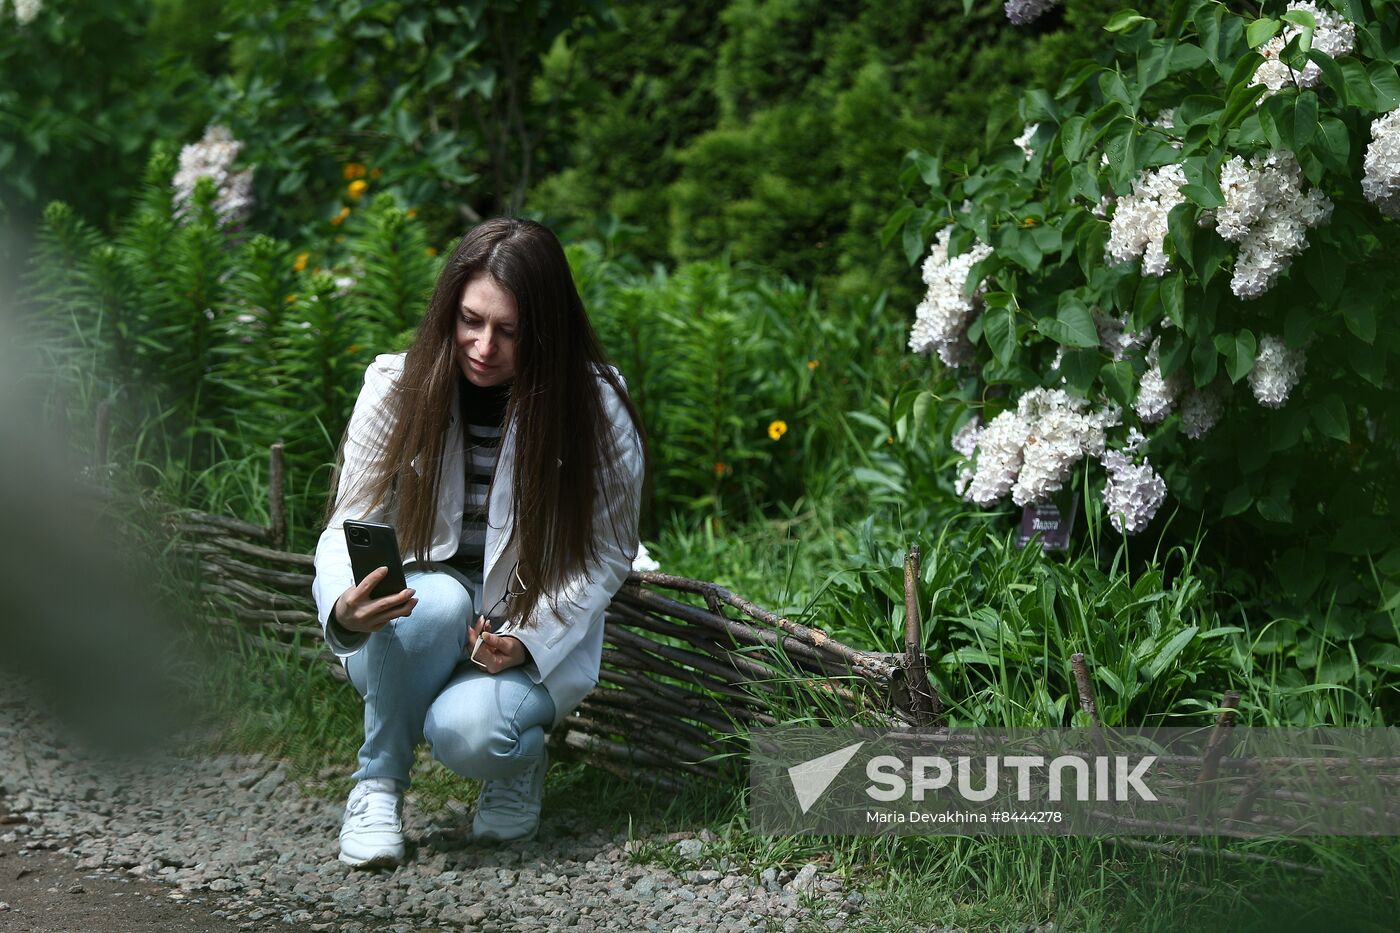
(495, 653)
(358, 611)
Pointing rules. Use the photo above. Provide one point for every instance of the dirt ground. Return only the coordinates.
(45, 892)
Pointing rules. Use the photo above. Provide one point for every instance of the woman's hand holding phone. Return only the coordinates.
(491, 652)
(358, 611)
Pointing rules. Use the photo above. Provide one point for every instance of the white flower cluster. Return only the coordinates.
(1333, 36)
(1114, 337)
(26, 10)
(1156, 395)
(966, 437)
(1381, 183)
(1276, 371)
(1139, 225)
(1029, 452)
(941, 320)
(1133, 492)
(1200, 412)
(1267, 213)
(213, 157)
(1023, 12)
(1024, 140)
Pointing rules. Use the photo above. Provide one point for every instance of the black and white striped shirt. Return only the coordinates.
(483, 417)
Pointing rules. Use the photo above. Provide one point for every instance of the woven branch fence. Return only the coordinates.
(680, 678)
(688, 666)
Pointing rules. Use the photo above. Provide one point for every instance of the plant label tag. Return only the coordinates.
(1052, 521)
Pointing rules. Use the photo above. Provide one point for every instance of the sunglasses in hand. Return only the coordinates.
(499, 651)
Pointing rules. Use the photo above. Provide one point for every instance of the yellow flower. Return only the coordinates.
(353, 170)
(777, 429)
(721, 469)
(813, 364)
(291, 298)
(338, 219)
(357, 188)
(353, 349)
(431, 250)
(300, 264)
(411, 213)
(889, 439)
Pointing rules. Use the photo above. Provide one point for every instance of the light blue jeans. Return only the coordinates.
(480, 725)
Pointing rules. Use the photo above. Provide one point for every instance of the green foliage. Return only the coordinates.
(215, 346)
(1308, 488)
(719, 360)
(772, 128)
(434, 99)
(80, 106)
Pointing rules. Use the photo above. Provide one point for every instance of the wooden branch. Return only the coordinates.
(925, 705)
(251, 596)
(291, 581)
(276, 503)
(640, 614)
(1176, 848)
(1215, 748)
(862, 662)
(198, 521)
(224, 543)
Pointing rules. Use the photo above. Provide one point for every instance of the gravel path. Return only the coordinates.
(235, 835)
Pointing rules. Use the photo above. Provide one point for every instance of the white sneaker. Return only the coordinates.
(509, 810)
(372, 834)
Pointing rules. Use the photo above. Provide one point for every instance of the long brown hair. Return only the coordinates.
(565, 453)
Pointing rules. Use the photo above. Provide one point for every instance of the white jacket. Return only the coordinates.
(566, 647)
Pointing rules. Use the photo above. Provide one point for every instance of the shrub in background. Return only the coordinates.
(1182, 268)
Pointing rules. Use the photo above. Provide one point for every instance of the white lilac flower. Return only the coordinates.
(1156, 395)
(965, 474)
(1268, 214)
(1276, 371)
(1133, 492)
(1024, 140)
(1381, 183)
(1334, 36)
(26, 10)
(1200, 412)
(1023, 12)
(1139, 225)
(1029, 452)
(942, 318)
(998, 459)
(1062, 431)
(1114, 337)
(1155, 398)
(965, 438)
(1166, 120)
(644, 561)
(213, 157)
(1135, 442)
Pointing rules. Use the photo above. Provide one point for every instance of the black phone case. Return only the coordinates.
(380, 550)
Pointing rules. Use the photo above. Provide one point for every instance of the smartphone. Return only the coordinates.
(373, 545)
